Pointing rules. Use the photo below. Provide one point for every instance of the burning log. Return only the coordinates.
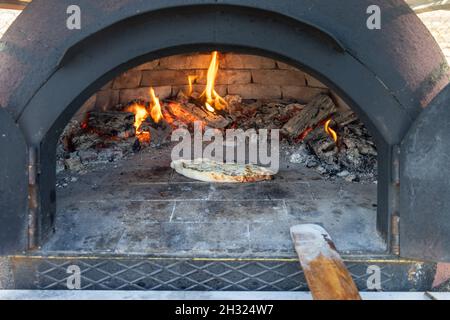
(354, 152)
(208, 107)
(345, 118)
(322, 145)
(113, 124)
(211, 119)
(159, 131)
(313, 114)
(192, 112)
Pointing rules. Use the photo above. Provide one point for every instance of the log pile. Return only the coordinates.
(321, 108)
(159, 132)
(353, 157)
(112, 123)
(107, 136)
(192, 111)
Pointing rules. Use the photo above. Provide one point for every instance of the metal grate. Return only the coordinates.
(122, 273)
(175, 275)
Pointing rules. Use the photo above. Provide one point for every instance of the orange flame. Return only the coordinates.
(191, 80)
(140, 114)
(213, 101)
(330, 131)
(209, 107)
(155, 112)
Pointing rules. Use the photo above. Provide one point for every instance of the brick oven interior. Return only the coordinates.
(116, 192)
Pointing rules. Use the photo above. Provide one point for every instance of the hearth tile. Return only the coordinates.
(230, 211)
(352, 227)
(268, 190)
(271, 238)
(157, 174)
(148, 192)
(205, 238)
(140, 238)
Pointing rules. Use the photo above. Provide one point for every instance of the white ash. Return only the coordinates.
(299, 154)
(353, 159)
(79, 148)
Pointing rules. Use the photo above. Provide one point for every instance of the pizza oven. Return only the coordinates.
(343, 129)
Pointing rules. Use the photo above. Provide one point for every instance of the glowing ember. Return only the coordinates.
(303, 135)
(174, 110)
(330, 131)
(327, 129)
(155, 107)
(144, 137)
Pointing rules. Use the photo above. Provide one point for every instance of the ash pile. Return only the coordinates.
(104, 137)
(317, 135)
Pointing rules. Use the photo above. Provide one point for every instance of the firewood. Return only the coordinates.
(159, 132)
(110, 123)
(318, 110)
(325, 272)
(211, 119)
(345, 118)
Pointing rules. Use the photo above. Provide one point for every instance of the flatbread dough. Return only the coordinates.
(211, 171)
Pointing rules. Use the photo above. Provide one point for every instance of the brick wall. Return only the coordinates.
(252, 77)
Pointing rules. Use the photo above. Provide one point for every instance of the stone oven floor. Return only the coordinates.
(141, 206)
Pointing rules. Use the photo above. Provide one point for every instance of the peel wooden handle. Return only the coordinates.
(325, 272)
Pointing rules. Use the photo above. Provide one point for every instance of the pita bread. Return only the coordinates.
(211, 171)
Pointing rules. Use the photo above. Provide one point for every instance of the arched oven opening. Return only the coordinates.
(121, 189)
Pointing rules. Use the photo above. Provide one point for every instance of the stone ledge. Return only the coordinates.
(279, 77)
(143, 93)
(227, 77)
(220, 89)
(107, 99)
(148, 65)
(165, 77)
(183, 62)
(127, 80)
(302, 94)
(255, 91)
(244, 61)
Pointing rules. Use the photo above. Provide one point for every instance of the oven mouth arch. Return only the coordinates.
(109, 53)
(320, 51)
